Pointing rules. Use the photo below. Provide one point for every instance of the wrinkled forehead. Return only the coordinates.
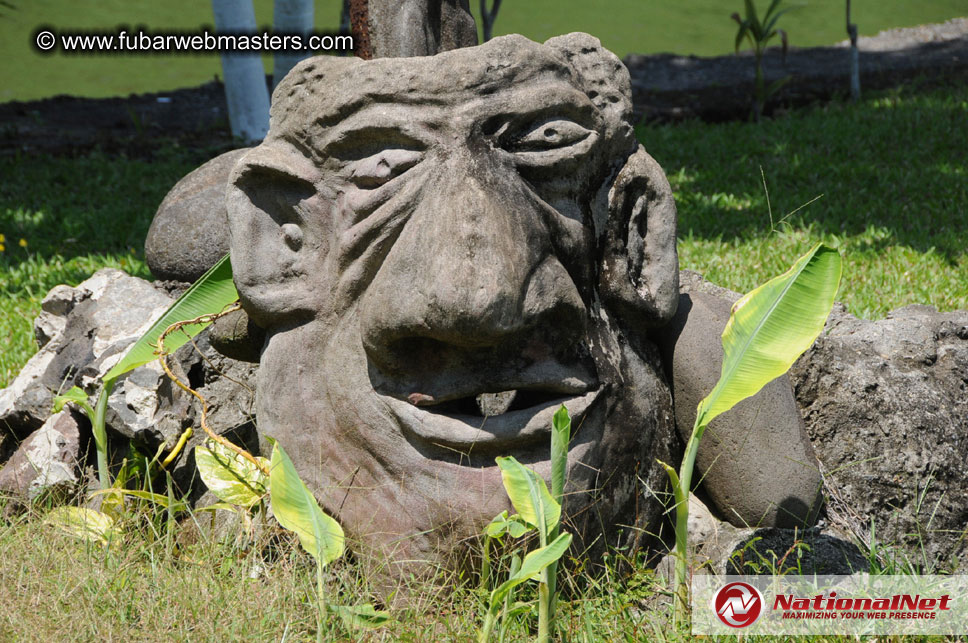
(503, 75)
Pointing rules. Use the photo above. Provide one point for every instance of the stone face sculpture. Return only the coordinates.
(442, 251)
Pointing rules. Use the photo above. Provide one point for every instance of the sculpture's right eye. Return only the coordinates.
(378, 169)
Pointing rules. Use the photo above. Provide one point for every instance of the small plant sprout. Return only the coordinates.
(759, 33)
(768, 329)
(537, 510)
(296, 509)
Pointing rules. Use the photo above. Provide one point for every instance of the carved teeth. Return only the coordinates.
(495, 403)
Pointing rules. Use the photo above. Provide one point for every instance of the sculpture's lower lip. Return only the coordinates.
(510, 430)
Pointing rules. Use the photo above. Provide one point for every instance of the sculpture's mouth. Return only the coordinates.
(491, 422)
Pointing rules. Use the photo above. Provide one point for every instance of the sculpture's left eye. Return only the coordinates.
(374, 171)
(549, 135)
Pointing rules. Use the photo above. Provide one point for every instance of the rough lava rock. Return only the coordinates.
(83, 331)
(49, 460)
(886, 406)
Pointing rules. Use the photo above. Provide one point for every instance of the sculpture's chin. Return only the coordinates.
(503, 434)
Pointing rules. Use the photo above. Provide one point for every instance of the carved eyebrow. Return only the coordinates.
(377, 127)
(551, 99)
(353, 143)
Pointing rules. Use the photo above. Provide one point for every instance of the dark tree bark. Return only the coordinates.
(399, 28)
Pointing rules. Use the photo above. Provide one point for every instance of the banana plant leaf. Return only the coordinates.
(771, 326)
(209, 295)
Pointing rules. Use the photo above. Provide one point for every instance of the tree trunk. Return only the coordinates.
(290, 17)
(245, 80)
(488, 17)
(418, 27)
(854, 58)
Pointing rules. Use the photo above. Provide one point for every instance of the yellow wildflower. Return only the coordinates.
(2, 247)
(23, 243)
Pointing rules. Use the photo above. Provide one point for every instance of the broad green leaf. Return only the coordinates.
(560, 437)
(296, 509)
(209, 295)
(771, 326)
(529, 495)
(76, 395)
(84, 523)
(156, 498)
(361, 615)
(230, 476)
(534, 563)
(503, 524)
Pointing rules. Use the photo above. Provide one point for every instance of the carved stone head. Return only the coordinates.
(444, 250)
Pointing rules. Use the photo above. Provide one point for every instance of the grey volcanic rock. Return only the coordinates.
(86, 330)
(48, 461)
(886, 407)
(190, 231)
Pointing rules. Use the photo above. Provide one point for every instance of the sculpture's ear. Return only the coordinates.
(640, 267)
(269, 194)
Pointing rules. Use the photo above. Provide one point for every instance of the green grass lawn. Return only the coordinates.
(625, 26)
(892, 177)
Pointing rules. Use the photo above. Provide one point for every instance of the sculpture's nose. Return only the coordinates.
(474, 268)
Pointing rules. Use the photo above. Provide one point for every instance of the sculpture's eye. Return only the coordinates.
(549, 135)
(373, 171)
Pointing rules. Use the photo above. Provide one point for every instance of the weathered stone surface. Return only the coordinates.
(443, 250)
(92, 326)
(397, 254)
(48, 461)
(886, 406)
(189, 232)
(762, 440)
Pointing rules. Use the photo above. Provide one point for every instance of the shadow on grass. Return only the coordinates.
(74, 207)
(895, 164)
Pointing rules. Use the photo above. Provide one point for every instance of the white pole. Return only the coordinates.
(245, 81)
(291, 17)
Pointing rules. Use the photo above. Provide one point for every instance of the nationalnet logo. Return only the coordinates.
(858, 605)
(738, 604)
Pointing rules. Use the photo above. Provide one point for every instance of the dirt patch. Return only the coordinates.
(668, 87)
